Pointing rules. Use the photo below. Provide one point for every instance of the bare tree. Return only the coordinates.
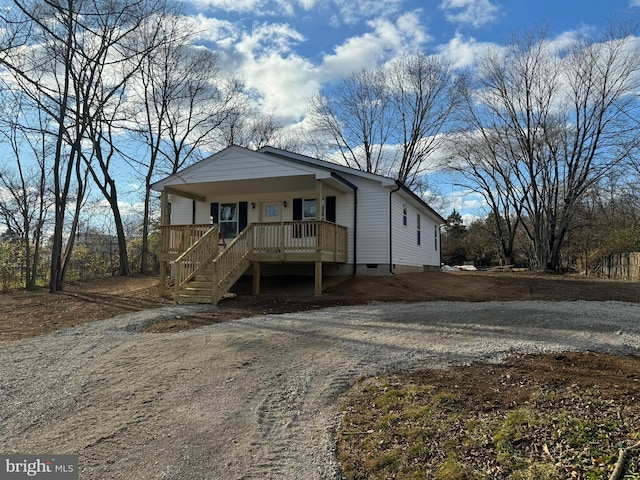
(43, 72)
(249, 128)
(480, 168)
(26, 183)
(78, 53)
(183, 101)
(424, 93)
(551, 122)
(99, 165)
(357, 121)
(392, 119)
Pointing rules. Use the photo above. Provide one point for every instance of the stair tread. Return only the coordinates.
(201, 288)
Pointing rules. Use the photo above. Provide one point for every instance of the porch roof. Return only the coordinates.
(258, 186)
(237, 169)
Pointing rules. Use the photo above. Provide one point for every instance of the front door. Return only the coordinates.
(269, 237)
(271, 212)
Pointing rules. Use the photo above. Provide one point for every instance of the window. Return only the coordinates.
(404, 215)
(229, 219)
(309, 209)
(272, 211)
(306, 209)
(418, 228)
(435, 235)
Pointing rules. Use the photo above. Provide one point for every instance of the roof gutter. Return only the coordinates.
(399, 186)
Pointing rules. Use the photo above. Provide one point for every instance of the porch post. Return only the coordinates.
(318, 199)
(256, 278)
(318, 286)
(319, 233)
(164, 254)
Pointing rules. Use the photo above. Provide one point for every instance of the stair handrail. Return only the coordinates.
(227, 261)
(196, 257)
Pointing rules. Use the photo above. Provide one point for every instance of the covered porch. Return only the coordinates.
(206, 266)
(217, 225)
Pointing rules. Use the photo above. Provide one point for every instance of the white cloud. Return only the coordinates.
(470, 12)
(283, 79)
(634, 3)
(466, 202)
(384, 41)
(285, 83)
(221, 32)
(288, 7)
(231, 5)
(351, 12)
(257, 7)
(268, 38)
(469, 218)
(462, 52)
(307, 4)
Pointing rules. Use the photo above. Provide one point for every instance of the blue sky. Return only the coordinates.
(287, 50)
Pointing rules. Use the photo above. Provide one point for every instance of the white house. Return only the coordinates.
(283, 212)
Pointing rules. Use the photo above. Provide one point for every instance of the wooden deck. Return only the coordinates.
(176, 239)
(206, 270)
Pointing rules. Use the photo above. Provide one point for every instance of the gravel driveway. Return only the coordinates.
(259, 397)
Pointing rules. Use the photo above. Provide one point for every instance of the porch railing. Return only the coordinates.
(176, 239)
(277, 241)
(196, 257)
(301, 237)
(231, 263)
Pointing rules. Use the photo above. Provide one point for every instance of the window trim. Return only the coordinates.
(271, 210)
(304, 210)
(235, 220)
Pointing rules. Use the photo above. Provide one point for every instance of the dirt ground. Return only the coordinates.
(27, 314)
(535, 416)
(612, 383)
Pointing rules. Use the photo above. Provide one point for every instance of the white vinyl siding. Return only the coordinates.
(373, 225)
(406, 251)
(238, 175)
(239, 165)
(182, 211)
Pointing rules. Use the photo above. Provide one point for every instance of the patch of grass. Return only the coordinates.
(514, 428)
(436, 426)
(450, 469)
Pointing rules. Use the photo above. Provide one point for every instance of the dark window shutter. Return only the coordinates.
(330, 206)
(214, 212)
(193, 212)
(297, 209)
(243, 215)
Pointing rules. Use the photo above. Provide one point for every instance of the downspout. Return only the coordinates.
(355, 217)
(355, 230)
(391, 228)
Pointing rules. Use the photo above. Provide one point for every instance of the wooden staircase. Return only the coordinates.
(204, 273)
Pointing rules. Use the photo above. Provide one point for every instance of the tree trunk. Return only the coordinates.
(123, 264)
